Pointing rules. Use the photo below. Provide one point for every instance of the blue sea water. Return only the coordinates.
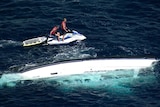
(114, 29)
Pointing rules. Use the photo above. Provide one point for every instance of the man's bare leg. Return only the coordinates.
(58, 35)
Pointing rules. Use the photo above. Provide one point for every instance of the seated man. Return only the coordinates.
(55, 32)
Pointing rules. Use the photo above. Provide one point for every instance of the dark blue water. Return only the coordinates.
(114, 29)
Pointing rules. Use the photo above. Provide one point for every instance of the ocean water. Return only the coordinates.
(114, 29)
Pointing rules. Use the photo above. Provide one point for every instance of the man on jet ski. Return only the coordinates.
(64, 27)
(55, 32)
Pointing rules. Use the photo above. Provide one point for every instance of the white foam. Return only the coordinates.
(75, 52)
(4, 43)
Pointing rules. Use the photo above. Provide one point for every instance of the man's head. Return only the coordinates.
(65, 19)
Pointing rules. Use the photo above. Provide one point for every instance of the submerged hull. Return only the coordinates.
(85, 66)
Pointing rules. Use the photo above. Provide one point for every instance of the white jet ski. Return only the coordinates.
(68, 38)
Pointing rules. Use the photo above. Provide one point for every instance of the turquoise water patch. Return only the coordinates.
(9, 80)
(110, 81)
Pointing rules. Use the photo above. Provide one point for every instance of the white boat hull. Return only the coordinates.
(85, 66)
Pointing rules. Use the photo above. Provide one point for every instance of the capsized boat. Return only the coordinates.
(85, 66)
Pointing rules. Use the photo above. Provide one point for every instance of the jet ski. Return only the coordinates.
(68, 38)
